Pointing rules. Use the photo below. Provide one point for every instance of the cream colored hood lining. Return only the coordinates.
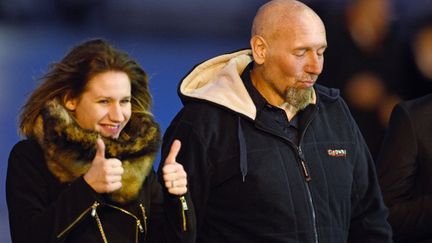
(218, 80)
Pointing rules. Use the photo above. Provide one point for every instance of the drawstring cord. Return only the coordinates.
(243, 152)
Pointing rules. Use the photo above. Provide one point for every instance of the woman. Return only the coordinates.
(84, 172)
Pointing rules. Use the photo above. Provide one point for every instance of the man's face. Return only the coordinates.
(294, 59)
(105, 104)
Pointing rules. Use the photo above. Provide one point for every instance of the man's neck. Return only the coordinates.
(265, 90)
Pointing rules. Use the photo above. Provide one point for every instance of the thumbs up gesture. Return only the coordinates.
(174, 175)
(104, 175)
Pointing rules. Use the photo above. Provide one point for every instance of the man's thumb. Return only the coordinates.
(175, 148)
(100, 148)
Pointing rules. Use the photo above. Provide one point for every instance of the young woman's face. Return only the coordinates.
(105, 104)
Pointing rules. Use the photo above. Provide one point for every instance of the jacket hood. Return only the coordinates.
(218, 80)
(69, 149)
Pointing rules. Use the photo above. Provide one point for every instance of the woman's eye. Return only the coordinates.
(103, 101)
(125, 101)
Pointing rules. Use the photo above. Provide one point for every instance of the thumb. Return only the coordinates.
(175, 148)
(100, 148)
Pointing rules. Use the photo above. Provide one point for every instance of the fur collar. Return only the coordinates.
(69, 149)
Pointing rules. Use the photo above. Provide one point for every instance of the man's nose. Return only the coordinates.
(314, 64)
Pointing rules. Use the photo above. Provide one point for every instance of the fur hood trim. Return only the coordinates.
(69, 149)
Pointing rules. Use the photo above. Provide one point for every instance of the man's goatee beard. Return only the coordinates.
(299, 98)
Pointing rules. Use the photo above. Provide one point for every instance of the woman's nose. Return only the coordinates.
(116, 113)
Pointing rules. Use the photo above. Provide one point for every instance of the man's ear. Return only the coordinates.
(259, 48)
(69, 102)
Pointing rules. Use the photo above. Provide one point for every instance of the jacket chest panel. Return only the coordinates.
(274, 173)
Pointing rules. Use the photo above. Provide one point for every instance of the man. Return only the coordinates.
(405, 169)
(270, 155)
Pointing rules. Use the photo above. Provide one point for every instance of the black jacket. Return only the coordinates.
(41, 209)
(405, 170)
(49, 201)
(250, 183)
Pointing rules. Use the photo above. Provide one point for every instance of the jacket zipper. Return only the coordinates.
(303, 164)
(92, 207)
(94, 214)
(184, 209)
(309, 194)
(305, 171)
(138, 221)
(144, 217)
(98, 221)
(308, 177)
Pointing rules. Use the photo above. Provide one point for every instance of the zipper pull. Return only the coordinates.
(93, 210)
(184, 203)
(140, 226)
(144, 216)
(184, 208)
(304, 165)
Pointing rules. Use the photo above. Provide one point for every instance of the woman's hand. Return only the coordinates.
(174, 175)
(104, 175)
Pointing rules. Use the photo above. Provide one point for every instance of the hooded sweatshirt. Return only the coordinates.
(249, 182)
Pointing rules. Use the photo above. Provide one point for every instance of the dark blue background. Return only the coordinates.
(167, 38)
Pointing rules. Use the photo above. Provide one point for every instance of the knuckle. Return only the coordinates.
(166, 177)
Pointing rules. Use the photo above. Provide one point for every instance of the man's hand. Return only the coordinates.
(104, 175)
(174, 175)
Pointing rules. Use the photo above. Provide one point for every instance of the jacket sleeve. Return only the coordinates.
(368, 211)
(193, 157)
(36, 213)
(410, 217)
(166, 224)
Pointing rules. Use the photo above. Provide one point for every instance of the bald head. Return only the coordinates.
(288, 43)
(280, 14)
